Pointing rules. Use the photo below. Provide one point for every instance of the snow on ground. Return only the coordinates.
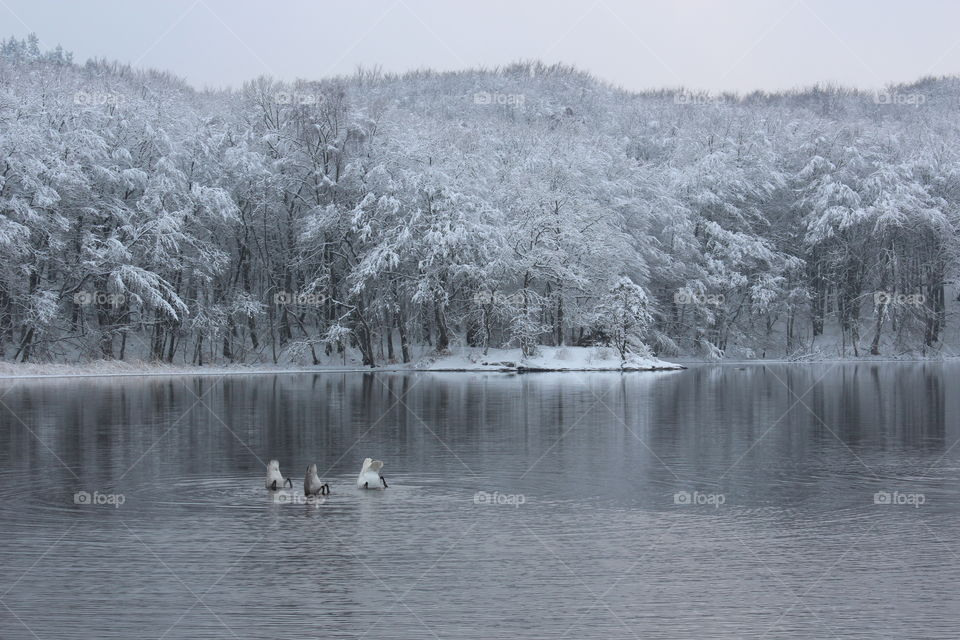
(460, 359)
(546, 359)
(466, 359)
(110, 368)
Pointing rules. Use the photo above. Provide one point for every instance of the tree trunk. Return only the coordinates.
(443, 337)
(558, 327)
(881, 316)
(404, 342)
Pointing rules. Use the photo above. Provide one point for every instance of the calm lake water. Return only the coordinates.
(717, 502)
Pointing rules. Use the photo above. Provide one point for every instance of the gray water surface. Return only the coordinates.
(717, 502)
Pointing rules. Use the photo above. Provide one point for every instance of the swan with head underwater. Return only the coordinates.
(312, 485)
(370, 477)
(274, 479)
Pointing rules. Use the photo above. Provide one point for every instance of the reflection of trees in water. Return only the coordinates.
(699, 422)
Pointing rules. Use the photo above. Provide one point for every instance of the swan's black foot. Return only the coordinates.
(325, 490)
(273, 486)
(384, 481)
(366, 485)
(287, 482)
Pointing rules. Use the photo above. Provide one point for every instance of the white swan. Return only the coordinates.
(312, 485)
(370, 477)
(274, 478)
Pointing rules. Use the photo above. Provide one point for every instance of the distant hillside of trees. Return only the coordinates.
(525, 205)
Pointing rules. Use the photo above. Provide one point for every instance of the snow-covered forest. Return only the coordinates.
(522, 206)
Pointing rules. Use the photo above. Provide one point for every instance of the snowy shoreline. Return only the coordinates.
(576, 360)
(549, 359)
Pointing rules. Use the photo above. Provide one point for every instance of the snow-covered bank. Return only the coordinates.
(116, 368)
(464, 359)
(502, 360)
(546, 359)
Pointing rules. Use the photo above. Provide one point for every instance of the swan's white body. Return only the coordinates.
(274, 476)
(312, 485)
(369, 477)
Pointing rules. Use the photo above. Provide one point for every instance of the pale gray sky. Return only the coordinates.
(712, 45)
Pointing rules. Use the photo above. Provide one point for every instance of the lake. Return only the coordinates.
(724, 501)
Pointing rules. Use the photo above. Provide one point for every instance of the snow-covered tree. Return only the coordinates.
(624, 317)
